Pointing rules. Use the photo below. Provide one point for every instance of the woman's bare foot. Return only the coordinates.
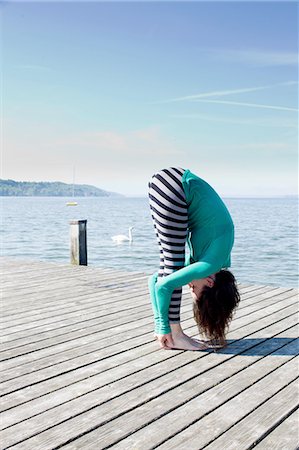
(184, 342)
(199, 342)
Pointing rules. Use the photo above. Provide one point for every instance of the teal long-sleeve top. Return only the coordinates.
(210, 240)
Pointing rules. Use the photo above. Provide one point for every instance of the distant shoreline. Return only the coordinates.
(125, 196)
(12, 188)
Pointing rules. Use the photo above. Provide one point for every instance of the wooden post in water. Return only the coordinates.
(78, 242)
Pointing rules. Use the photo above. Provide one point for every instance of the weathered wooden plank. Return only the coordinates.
(106, 349)
(10, 264)
(250, 348)
(23, 280)
(256, 314)
(36, 292)
(205, 416)
(17, 369)
(9, 267)
(78, 304)
(33, 274)
(247, 300)
(254, 426)
(99, 312)
(89, 370)
(250, 327)
(133, 285)
(46, 285)
(83, 275)
(86, 272)
(55, 298)
(64, 277)
(64, 303)
(103, 308)
(63, 295)
(124, 334)
(71, 325)
(284, 436)
(52, 268)
(98, 308)
(42, 269)
(233, 410)
(25, 275)
(72, 332)
(188, 372)
(38, 322)
(174, 403)
(38, 326)
(83, 335)
(15, 383)
(21, 382)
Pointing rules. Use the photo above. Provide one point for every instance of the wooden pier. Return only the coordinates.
(80, 368)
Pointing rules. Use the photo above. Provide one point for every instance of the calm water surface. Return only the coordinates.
(266, 234)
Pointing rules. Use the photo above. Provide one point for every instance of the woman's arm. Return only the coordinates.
(165, 340)
(152, 289)
(215, 257)
(166, 285)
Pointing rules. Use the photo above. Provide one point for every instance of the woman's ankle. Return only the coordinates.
(176, 329)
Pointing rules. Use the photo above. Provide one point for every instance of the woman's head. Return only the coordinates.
(214, 306)
(197, 286)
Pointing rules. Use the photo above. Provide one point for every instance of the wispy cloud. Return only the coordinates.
(262, 122)
(228, 92)
(142, 143)
(33, 68)
(251, 105)
(267, 147)
(254, 57)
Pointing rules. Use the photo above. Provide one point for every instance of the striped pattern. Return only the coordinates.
(170, 217)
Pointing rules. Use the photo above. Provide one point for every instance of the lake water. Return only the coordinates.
(266, 234)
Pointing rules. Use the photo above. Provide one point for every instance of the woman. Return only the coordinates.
(187, 209)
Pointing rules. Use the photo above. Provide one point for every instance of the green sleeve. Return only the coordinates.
(165, 286)
(216, 257)
(152, 289)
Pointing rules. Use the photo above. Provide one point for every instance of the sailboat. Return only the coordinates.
(72, 203)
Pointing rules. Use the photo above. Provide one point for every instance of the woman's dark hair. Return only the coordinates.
(213, 312)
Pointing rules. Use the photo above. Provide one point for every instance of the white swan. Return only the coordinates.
(122, 238)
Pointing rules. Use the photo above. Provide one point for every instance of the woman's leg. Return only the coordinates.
(170, 217)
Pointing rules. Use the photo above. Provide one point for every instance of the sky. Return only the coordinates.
(120, 90)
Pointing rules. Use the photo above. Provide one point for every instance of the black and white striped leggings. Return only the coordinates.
(170, 216)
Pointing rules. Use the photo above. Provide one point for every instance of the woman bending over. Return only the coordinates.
(185, 208)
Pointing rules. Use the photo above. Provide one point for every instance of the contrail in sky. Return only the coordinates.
(228, 92)
(252, 105)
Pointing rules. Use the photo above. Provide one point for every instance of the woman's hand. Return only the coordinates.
(178, 340)
(165, 340)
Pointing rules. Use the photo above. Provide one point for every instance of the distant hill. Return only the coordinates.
(50, 189)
